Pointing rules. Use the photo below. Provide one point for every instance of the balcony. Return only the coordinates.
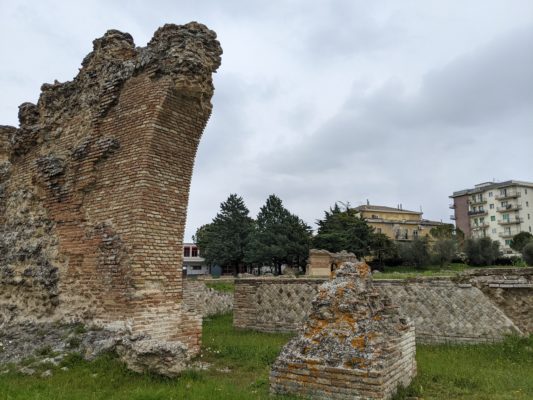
(481, 225)
(507, 235)
(509, 208)
(477, 202)
(453, 217)
(477, 212)
(452, 206)
(508, 195)
(511, 221)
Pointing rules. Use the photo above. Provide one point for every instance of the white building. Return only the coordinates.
(499, 210)
(192, 262)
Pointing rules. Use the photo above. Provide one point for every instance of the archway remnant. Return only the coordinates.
(94, 187)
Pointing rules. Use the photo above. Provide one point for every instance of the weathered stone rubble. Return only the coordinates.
(354, 345)
(94, 188)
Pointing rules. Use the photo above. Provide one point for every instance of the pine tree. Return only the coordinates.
(344, 230)
(279, 237)
(224, 240)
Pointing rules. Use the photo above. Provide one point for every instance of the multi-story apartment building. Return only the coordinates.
(498, 210)
(397, 223)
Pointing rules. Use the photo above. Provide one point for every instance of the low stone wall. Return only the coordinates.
(205, 301)
(467, 309)
(444, 311)
(511, 290)
(273, 304)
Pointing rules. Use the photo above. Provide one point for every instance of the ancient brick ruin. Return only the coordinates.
(354, 345)
(94, 188)
(324, 263)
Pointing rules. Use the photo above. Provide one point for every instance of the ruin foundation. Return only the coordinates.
(354, 345)
(94, 188)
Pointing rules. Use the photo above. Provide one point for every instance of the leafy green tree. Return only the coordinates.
(416, 252)
(344, 230)
(279, 237)
(224, 240)
(520, 240)
(444, 231)
(382, 248)
(483, 251)
(443, 251)
(527, 253)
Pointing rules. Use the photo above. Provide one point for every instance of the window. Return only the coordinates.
(507, 242)
(374, 216)
(527, 203)
(195, 251)
(378, 230)
(504, 204)
(505, 217)
(186, 251)
(415, 233)
(525, 191)
(493, 218)
(529, 229)
(197, 267)
(493, 230)
(491, 206)
(528, 216)
(475, 221)
(490, 194)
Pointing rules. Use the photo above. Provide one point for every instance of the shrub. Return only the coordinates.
(527, 253)
(443, 251)
(483, 251)
(415, 253)
(520, 240)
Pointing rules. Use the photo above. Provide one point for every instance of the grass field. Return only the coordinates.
(240, 362)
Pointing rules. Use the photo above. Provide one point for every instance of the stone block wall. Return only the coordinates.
(94, 188)
(511, 290)
(443, 309)
(206, 301)
(273, 304)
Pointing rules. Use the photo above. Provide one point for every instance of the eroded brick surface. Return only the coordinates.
(355, 343)
(94, 188)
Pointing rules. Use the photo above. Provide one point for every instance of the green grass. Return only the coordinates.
(240, 364)
(404, 272)
(502, 371)
(241, 361)
(221, 286)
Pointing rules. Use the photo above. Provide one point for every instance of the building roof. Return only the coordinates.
(481, 187)
(369, 207)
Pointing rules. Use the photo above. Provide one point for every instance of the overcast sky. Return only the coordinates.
(321, 101)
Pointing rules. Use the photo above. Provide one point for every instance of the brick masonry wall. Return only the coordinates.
(94, 188)
(355, 344)
(443, 310)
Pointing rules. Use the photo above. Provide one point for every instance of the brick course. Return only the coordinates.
(94, 193)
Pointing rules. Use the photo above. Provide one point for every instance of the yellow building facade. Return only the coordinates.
(397, 223)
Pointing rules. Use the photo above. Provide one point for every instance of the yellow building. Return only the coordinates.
(397, 223)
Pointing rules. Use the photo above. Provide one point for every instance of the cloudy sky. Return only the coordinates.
(321, 101)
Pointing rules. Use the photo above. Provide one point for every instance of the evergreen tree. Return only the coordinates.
(344, 230)
(223, 240)
(279, 237)
(520, 240)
